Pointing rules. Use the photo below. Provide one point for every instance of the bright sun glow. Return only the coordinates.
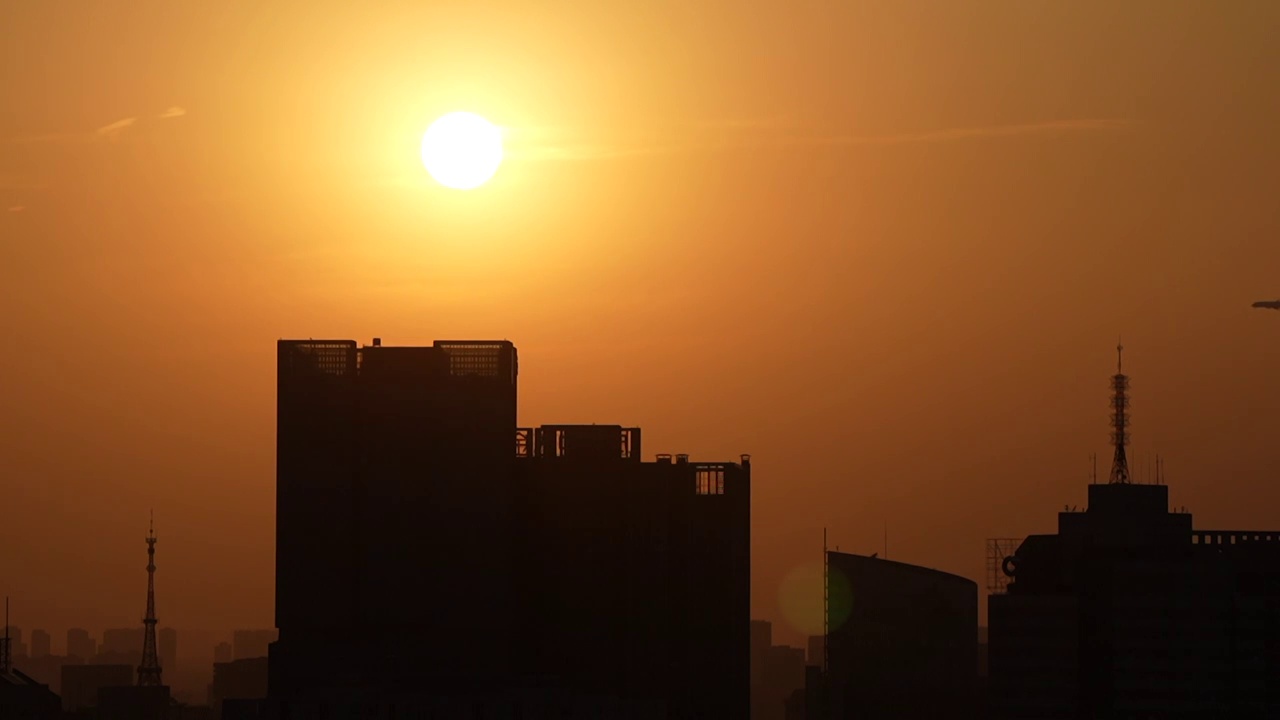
(462, 150)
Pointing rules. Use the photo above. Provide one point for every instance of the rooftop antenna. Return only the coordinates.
(1093, 474)
(826, 599)
(886, 540)
(5, 657)
(1119, 421)
(149, 670)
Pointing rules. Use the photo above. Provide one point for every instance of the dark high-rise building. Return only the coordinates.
(81, 644)
(441, 552)
(41, 643)
(636, 574)
(394, 473)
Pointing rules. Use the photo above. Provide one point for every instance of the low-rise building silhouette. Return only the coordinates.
(81, 683)
(25, 698)
(902, 642)
(238, 680)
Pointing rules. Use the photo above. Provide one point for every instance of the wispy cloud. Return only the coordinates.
(767, 133)
(989, 131)
(112, 131)
(17, 208)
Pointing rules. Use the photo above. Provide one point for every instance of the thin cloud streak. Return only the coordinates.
(17, 208)
(1057, 126)
(607, 152)
(114, 129)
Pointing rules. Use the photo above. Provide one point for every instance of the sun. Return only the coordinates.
(462, 150)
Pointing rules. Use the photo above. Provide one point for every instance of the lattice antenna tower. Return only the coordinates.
(149, 670)
(1119, 421)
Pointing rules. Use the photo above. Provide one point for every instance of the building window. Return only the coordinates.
(709, 481)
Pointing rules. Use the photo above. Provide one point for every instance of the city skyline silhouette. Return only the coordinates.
(884, 249)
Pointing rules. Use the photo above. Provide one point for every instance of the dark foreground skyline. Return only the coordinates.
(886, 246)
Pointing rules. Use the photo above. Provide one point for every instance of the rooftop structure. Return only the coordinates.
(1127, 611)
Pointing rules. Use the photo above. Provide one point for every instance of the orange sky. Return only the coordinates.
(886, 248)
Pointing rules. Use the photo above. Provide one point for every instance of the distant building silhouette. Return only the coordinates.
(238, 680)
(760, 639)
(781, 676)
(81, 644)
(169, 651)
(1128, 612)
(41, 643)
(121, 645)
(223, 653)
(454, 560)
(249, 644)
(816, 650)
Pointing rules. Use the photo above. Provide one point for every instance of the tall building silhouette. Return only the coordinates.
(1127, 611)
(448, 556)
(393, 507)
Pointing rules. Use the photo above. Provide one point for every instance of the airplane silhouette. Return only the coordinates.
(1269, 304)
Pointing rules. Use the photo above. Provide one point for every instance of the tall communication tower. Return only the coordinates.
(149, 670)
(1120, 420)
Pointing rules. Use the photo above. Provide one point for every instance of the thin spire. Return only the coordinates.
(149, 670)
(5, 656)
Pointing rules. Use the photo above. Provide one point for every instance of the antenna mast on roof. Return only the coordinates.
(826, 583)
(5, 657)
(1120, 421)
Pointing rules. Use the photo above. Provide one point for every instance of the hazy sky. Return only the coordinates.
(884, 247)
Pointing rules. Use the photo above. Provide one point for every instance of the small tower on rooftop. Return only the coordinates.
(1119, 421)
